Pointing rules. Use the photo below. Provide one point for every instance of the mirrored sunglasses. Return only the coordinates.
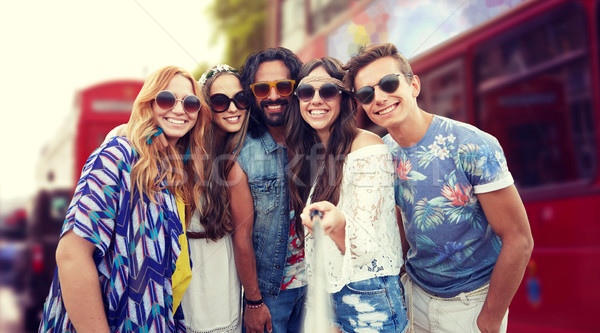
(166, 100)
(328, 91)
(387, 84)
(283, 87)
(221, 102)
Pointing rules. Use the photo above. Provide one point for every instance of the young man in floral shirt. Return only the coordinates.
(467, 230)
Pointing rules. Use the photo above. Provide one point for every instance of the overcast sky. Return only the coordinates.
(51, 49)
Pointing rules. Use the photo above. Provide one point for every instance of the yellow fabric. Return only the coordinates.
(183, 271)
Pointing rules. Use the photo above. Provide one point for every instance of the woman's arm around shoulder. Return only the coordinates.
(365, 138)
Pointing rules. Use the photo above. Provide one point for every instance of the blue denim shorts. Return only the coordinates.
(372, 305)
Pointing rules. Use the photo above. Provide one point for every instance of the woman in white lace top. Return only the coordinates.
(351, 174)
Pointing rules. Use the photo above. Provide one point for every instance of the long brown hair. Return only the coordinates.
(315, 164)
(157, 164)
(215, 214)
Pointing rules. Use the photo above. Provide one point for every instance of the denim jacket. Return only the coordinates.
(265, 163)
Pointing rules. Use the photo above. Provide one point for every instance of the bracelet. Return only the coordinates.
(257, 302)
(254, 306)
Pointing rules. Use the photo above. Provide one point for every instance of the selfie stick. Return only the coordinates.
(319, 300)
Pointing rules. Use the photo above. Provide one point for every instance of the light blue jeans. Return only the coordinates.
(372, 305)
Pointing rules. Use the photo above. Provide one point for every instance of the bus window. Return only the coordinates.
(443, 91)
(534, 94)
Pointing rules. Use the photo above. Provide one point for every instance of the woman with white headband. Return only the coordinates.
(345, 174)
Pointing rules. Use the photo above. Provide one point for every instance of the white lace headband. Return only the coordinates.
(214, 70)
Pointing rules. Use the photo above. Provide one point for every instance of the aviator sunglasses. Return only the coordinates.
(387, 84)
(328, 91)
(283, 87)
(166, 100)
(221, 102)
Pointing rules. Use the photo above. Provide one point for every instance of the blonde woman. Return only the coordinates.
(123, 262)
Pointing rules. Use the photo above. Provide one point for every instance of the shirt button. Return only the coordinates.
(277, 266)
(281, 240)
(272, 292)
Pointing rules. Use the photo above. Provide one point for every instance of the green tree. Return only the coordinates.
(243, 23)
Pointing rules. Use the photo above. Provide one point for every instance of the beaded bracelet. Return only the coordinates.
(254, 306)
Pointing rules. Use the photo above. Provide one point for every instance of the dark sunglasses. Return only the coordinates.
(263, 89)
(221, 102)
(388, 84)
(328, 91)
(166, 100)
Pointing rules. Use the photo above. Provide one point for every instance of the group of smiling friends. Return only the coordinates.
(197, 214)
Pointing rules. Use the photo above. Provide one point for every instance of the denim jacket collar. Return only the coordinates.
(268, 143)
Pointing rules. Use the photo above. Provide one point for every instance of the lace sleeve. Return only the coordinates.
(372, 237)
(367, 200)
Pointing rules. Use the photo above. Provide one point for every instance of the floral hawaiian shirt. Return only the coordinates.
(452, 247)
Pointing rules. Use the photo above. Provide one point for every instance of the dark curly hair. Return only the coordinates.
(256, 126)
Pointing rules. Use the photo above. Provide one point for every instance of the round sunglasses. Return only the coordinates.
(221, 102)
(166, 100)
(328, 91)
(283, 87)
(387, 84)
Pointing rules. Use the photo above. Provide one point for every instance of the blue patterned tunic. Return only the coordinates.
(137, 245)
(453, 249)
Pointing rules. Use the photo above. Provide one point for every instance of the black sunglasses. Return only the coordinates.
(328, 91)
(283, 87)
(388, 84)
(166, 100)
(221, 102)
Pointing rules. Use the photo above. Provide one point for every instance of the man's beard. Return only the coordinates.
(270, 119)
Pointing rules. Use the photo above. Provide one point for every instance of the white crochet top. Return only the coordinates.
(373, 246)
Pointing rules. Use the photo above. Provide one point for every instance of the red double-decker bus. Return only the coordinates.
(103, 107)
(98, 109)
(531, 77)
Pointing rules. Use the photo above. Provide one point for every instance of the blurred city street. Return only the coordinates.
(12, 277)
(10, 315)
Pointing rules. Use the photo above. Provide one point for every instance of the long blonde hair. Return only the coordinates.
(158, 165)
